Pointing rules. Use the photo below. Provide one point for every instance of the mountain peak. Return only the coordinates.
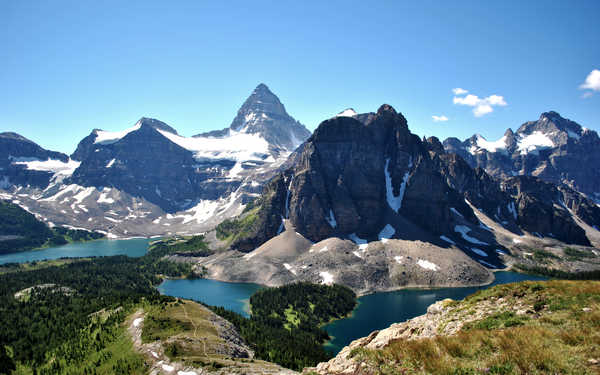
(156, 124)
(264, 114)
(348, 112)
(262, 88)
(386, 108)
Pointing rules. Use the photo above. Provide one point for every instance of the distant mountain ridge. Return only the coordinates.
(552, 148)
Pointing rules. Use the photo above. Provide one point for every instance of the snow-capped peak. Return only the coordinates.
(491, 146)
(349, 112)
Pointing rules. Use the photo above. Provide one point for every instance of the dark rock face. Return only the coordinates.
(262, 113)
(565, 153)
(145, 163)
(354, 177)
(14, 147)
(347, 172)
(541, 209)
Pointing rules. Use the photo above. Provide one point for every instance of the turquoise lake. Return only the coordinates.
(380, 310)
(232, 296)
(374, 312)
(135, 247)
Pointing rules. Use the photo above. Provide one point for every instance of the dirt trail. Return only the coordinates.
(160, 364)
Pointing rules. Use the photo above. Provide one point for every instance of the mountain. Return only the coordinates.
(148, 179)
(23, 162)
(374, 207)
(264, 115)
(552, 148)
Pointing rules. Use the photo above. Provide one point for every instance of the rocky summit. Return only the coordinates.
(150, 180)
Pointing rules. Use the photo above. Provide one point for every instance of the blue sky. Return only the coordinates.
(67, 67)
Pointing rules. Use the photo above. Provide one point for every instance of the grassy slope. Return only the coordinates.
(232, 229)
(556, 331)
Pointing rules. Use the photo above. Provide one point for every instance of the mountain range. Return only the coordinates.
(368, 204)
(362, 194)
(149, 180)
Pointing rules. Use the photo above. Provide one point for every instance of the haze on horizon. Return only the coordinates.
(473, 67)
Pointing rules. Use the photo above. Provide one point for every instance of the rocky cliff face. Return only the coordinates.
(374, 179)
(552, 148)
(352, 177)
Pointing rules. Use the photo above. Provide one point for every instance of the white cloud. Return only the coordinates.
(439, 118)
(470, 100)
(587, 94)
(481, 106)
(482, 109)
(496, 100)
(592, 82)
(459, 91)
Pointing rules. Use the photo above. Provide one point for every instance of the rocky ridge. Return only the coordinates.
(497, 318)
(552, 148)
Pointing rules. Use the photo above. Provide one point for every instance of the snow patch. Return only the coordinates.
(395, 202)
(347, 113)
(486, 263)
(237, 146)
(362, 244)
(327, 277)
(235, 170)
(168, 368)
(79, 197)
(57, 167)
(482, 144)
(398, 259)
(534, 142)
(386, 233)
(512, 209)
(464, 230)
(331, 219)
(105, 137)
(456, 212)
(428, 265)
(479, 252)
(105, 199)
(444, 238)
(289, 268)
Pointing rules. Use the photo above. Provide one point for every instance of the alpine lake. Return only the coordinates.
(373, 312)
